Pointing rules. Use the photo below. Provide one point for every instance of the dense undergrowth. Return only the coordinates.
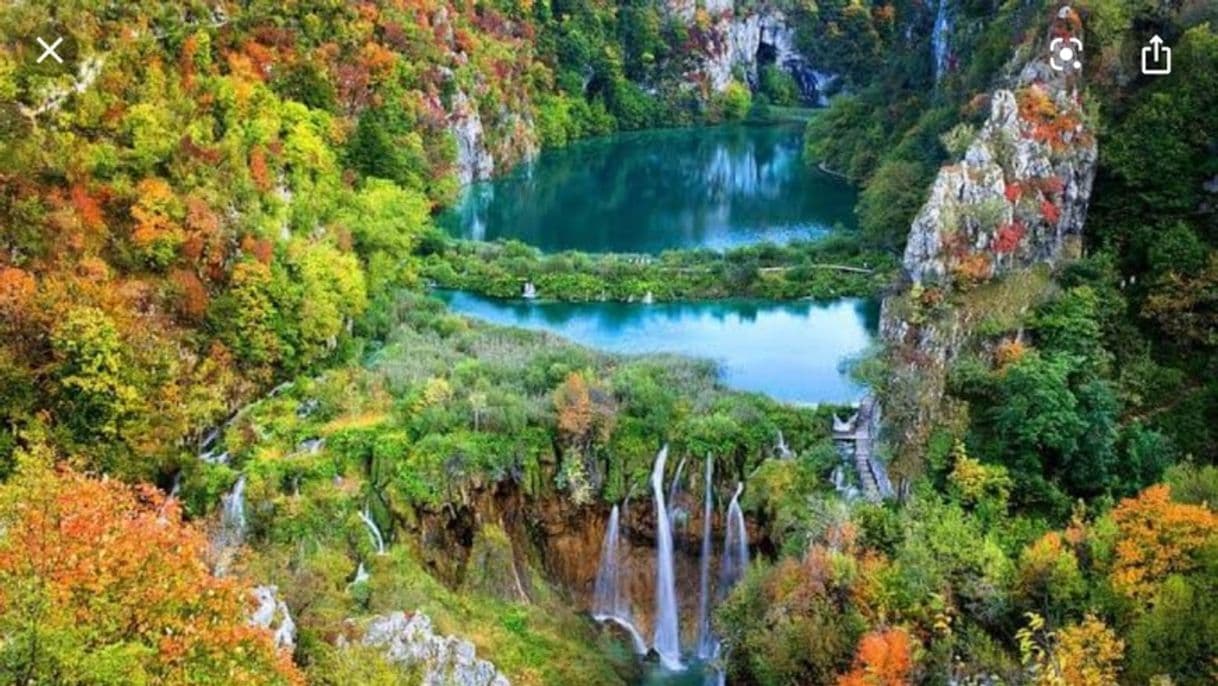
(825, 268)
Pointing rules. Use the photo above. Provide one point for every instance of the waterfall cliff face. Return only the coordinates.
(1016, 198)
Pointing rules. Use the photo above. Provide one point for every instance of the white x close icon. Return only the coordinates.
(49, 50)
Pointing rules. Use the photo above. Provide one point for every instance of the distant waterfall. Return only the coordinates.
(735, 546)
(230, 533)
(232, 514)
(667, 637)
(675, 487)
(706, 642)
(608, 603)
(939, 39)
(374, 533)
(781, 447)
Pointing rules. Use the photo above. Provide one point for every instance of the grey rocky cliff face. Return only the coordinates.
(1017, 198)
(736, 39)
(474, 159)
(1014, 200)
(409, 640)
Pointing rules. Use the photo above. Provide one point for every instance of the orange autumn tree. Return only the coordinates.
(101, 582)
(1158, 537)
(884, 658)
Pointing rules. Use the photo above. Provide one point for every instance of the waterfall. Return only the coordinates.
(608, 603)
(232, 514)
(230, 533)
(735, 546)
(605, 595)
(781, 447)
(361, 575)
(706, 641)
(939, 39)
(667, 636)
(378, 541)
(674, 489)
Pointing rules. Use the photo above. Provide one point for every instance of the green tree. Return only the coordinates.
(95, 395)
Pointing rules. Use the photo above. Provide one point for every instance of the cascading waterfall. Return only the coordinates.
(706, 642)
(605, 594)
(667, 636)
(939, 39)
(781, 447)
(374, 532)
(608, 601)
(675, 487)
(735, 545)
(230, 534)
(232, 514)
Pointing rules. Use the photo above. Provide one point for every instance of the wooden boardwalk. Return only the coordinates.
(859, 431)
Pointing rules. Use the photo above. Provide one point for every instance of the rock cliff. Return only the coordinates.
(440, 660)
(1016, 198)
(737, 39)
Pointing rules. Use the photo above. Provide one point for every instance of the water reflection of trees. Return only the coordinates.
(648, 191)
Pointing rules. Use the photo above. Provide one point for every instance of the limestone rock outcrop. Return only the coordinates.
(745, 40)
(474, 159)
(272, 614)
(1016, 198)
(441, 660)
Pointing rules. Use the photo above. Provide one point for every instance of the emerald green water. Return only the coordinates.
(649, 191)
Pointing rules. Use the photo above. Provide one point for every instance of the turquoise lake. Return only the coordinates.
(791, 351)
(648, 191)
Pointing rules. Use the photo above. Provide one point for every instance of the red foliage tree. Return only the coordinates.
(99, 575)
(884, 658)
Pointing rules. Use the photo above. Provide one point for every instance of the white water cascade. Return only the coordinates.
(735, 545)
(706, 641)
(939, 39)
(667, 636)
(230, 533)
(608, 602)
(232, 514)
(378, 541)
(675, 487)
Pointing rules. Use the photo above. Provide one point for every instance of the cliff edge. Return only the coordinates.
(1016, 199)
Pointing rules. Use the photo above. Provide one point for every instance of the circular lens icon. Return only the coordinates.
(1065, 54)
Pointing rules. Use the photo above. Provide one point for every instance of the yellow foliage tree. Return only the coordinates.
(1156, 538)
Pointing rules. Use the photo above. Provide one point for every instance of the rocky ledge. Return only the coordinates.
(408, 640)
